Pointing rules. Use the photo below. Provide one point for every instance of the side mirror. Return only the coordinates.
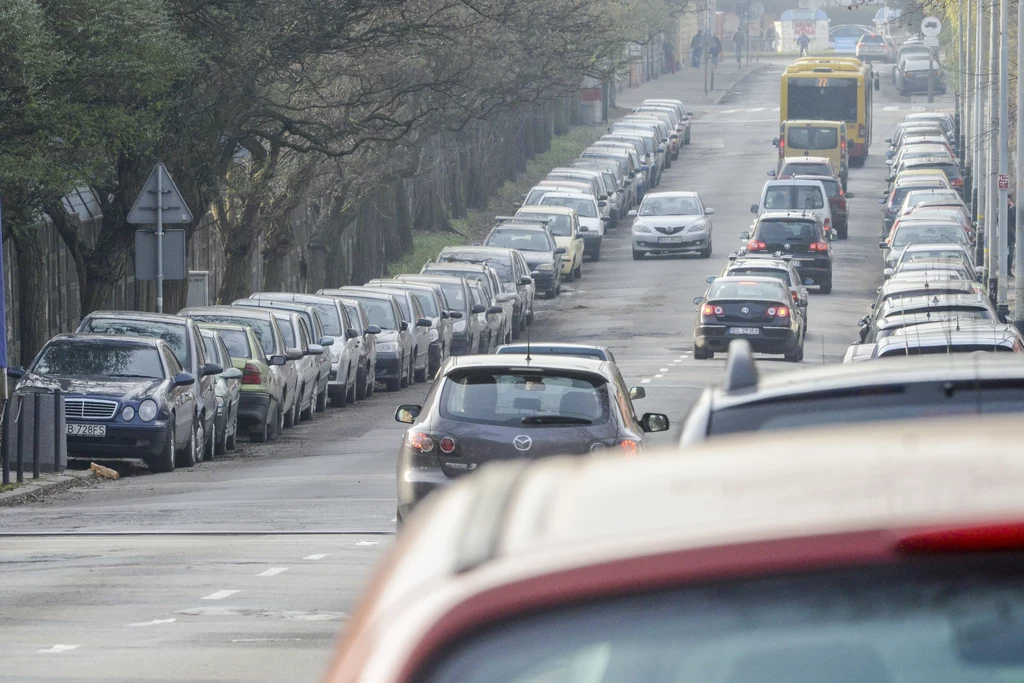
(455, 315)
(709, 212)
(17, 372)
(560, 250)
(495, 309)
(351, 334)
(850, 195)
(888, 154)
(327, 341)
(524, 280)
(606, 219)
(775, 142)
(697, 300)
(602, 198)
(314, 350)
(744, 235)
(773, 173)
(889, 140)
(479, 308)
(888, 162)
(423, 322)
(408, 413)
(753, 208)
(372, 329)
(637, 393)
(889, 272)
(184, 379)
(602, 204)
(709, 279)
(654, 422)
(882, 201)
(832, 236)
(294, 354)
(584, 228)
(863, 322)
(403, 326)
(445, 315)
(883, 245)
(232, 373)
(277, 360)
(631, 213)
(211, 369)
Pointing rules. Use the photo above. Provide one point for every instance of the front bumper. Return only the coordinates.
(389, 366)
(716, 337)
(650, 243)
(545, 282)
(127, 440)
(566, 265)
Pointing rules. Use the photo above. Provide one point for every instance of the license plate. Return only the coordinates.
(744, 330)
(796, 264)
(670, 240)
(87, 430)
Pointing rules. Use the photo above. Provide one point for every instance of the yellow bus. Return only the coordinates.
(832, 89)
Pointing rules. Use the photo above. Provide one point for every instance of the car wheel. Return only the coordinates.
(230, 442)
(596, 256)
(210, 448)
(321, 401)
(361, 385)
(370, 379)
(421, 374)
(221, 445)
(352, 390)
(796, 354)
(339, 397)
(277, 426)
(571, 276)
(406, 374)
(637, 255)
(550, 294)
(266, 429)
(165, 461)
(706, 253)
(687, 140)
(393, 384)
(579, 269)
(842, 232)
(187, 457)
(826, 288)
(702, 354)
(307, 414)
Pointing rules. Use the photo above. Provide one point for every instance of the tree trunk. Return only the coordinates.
(32, 329)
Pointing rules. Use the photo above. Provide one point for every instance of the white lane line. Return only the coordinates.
(730, 111)
(219, 595)
(267, 640)
(891, 107)
(368, 543)
(675, 362)
(658, 376)
(757, 109)
(777, 109)
(918, 108)
(662, 369)
(319, 556)
(645, 381)
(59, 648)
(273, 571)
(155, 622)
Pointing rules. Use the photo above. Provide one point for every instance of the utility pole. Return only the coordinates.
(1018, 257)
(992, 199)
(979, 147)
(1003, 235)
(960, 90)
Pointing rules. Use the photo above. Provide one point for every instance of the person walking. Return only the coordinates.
(715, 49)
(739, 39)
(695, 48)
(769, 38)
(804, 42)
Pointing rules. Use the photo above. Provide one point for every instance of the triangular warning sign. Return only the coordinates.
(159, 191)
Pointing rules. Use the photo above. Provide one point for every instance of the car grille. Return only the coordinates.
(672, 230)
(89, 409)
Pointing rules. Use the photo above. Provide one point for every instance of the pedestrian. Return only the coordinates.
(716, 48)
(804, 42)
(1011, 232)
(769, 38)
(739, 39)
(695, 47)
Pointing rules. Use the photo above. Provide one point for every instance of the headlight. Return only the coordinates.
(642, 229)
(147, 410)
(433, 335)
(128, 413)
(459, 326)
(387, 347)
(545, 268)
(335, 355)
(695, 227)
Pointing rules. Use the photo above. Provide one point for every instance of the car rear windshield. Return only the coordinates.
(172, 334)
(813, 137)
(261, 328)
(670, 206)
(872, 40)
(502, 266)
(584, 207)
(523, 240)
(99, 359)
(511, 397)
(558, 223)
(804, 168)
(908, 234)
(778, 230)
(777, 273)
(932, 620)
(237, 343)
(753, 289)
(380, 313)
(795, 197)
(911, 350)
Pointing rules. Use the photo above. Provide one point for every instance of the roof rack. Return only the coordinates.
(740, 369)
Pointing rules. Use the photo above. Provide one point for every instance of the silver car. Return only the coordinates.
(229, 389)
(366, 343)
(672, 223)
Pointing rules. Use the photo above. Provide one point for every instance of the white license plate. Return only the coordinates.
(670, 240)
(744, 330)
(796, 264)
(87, 430)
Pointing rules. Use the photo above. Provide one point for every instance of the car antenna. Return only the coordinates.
(528, 358)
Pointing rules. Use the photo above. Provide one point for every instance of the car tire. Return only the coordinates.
(579, 269)
(637, 255)
(701, 354)
(262, 435)
(404, 377)
(571, 276)
(321, 401)
(187, 456)
(231, 442)
(550, 294)
(361, 385)
(165, 461)
(292, 416)
(826, 288)
(339, 397)
(221, 445)
(277, 425)
(706, 253)
(596, 256)
(353, 390)
(210, 448)
(421, 375)
(307, 414)
(842, 232)
(796, 354)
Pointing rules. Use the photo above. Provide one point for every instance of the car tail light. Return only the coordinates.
(421, 442)
(782, 312)
(957, 182)
(782, 146)
(756, 245)
(1006, 536)
(828, 224)
(818, 246)
(447, 445)
(629, 446)
(842, 145)
(796, 297)
(251, 374)
(713, 310)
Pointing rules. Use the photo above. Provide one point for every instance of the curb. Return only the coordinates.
(732, 86)
(32, 489)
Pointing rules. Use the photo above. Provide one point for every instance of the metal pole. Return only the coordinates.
(979, 154)
(1018, 257)
(21, 438)
(991, 205)
(5, 446)
(960, 89)
(37, 433)
(931, 77)
(159, 241)
(1002, 241)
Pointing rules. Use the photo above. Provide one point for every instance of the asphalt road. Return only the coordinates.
(163, 606)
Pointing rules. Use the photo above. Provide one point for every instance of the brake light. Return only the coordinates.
(782, 312)
(447, 445)
(842, 145)
(957, 182)
(782, 146)
(756, 245)
(251, 374)
(629, 446)
(795, 297)
(713, 310)
(841, 201)
(421, 442)
(1007, 536)
(818, 246)
(828, 224)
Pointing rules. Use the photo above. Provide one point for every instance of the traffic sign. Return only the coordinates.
(931, 26)
(1004, 181)
(159, 192)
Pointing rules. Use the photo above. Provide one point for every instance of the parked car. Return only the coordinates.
(435, 308)
(513, 276)
(564, 225)
(125, 396)
(366, 343)
(183, 338)
(491, 408)
(494, 294)
(262, 391)
(228, 388)
(470, 326)
(538, 248)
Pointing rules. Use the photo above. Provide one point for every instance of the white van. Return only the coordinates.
(795, 194)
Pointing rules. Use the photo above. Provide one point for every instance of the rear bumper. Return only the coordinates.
(252, 409)
(122, 441)
(592, 243)
(858, 150)
(770, 340)
(816, 272)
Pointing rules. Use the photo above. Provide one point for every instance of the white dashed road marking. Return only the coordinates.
(60, 648)
(891, 107)
(273, 571)
(320, 556)
(368, 543)
(155, 622)
(219, 595)
(645, 381)
(918, 108)
(662, 369)
(658, 376)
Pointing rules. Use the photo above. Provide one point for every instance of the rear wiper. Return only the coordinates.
(555, 420)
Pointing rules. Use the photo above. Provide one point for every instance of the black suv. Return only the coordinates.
(800, 235)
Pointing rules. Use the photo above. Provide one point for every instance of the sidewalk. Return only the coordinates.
(687, 85)
(46, 483)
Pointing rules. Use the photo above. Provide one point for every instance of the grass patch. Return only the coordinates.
(474, 226)
(8, 487)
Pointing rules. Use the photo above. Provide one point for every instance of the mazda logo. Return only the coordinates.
(522, 442)
(786, 246)
(744, 310)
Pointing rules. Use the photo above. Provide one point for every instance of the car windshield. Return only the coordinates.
(99, 359)
(262, 328)
(813, 137)
(237, 343)
(584, 206)
(670, 206)
(172, 334)
(330, 318)
(943, 620)
(523, 240)
(775, 230)
(784, 197)
(558, 223)
(516, 398)
(740, 289)
(380, 313)
(504, 267)
(802, 168)
(909, 234)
